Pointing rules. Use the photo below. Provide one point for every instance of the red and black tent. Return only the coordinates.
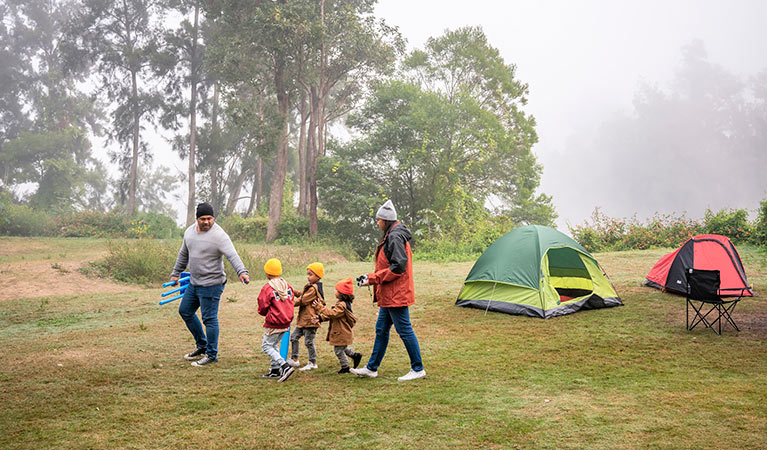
(708, 252)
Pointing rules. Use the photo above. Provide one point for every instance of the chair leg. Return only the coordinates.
(727, 313)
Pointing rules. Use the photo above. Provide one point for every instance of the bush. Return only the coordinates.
(250, 229)
(759, 236)
(21, 220)
(730, 223)
(606, 233)
(93, 224)
(140, 261)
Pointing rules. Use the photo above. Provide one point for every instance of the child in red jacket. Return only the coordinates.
(275, 302)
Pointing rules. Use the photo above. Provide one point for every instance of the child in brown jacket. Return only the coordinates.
(342, 320)
(306, 311)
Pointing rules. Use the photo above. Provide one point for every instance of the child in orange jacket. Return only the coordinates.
(342, 320)
(275, 302)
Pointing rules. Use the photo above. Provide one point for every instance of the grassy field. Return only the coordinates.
(103, 369)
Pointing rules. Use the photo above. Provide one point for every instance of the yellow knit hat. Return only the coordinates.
(317, 268)
(273, 267)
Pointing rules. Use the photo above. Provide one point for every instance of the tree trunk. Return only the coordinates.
(302, 181)
(319, 110)
(260, 182)
(190, 204)
(234, 195)
(281, 161)
(253, 189)
(131, 207)
(215, 150)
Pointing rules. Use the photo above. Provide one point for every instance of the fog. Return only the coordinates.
(589, 63)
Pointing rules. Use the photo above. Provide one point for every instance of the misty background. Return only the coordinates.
(595, 67)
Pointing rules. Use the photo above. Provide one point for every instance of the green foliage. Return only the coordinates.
(759, 236)
(140, 261)
(21, 220)
(605, 233)
(248, 229)
(116, 225)
(727, 222)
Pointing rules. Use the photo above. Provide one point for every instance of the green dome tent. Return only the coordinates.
(539, 272)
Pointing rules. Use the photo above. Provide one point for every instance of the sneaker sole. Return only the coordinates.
(287, 375)
(194, 364)
(193, 358)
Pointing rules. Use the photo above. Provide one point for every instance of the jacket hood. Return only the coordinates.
(399, 229)
(280, 286)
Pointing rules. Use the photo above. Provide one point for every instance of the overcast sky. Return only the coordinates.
(584, 60)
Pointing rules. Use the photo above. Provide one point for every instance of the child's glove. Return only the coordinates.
(362, 280)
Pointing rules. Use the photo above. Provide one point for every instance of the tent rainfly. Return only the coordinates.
(707, 252)
(537, 271)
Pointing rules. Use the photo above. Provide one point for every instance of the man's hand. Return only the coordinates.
(362, 280)
(174, 280)
(244, 278)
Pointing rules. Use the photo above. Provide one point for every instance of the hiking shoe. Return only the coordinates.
(285, 372)
(199, 353)
(274, 373)
(293, 362)
(356, 359)
(204, 361)
(364, 372)
(343, 370)
(309, 366)
(412, 375)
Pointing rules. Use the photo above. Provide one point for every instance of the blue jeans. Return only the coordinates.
(205, 298)
(400, 318)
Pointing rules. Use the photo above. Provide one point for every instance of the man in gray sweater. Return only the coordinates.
(205, 244)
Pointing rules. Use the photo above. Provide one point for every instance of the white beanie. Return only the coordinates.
(387, 211)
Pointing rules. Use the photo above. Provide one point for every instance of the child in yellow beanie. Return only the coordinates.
(275, 302)
(304, 325)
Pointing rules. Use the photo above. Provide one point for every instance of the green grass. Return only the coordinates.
(104, 371)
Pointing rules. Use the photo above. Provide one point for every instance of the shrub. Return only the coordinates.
(140, 261)
(21, 220)
(93, 224)
(759, 236)
(250, 229)
(729, 222)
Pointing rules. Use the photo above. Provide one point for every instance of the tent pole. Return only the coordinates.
(492, 295)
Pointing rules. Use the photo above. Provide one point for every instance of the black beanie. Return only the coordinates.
(204, 209)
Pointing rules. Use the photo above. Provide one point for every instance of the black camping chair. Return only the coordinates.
(703, 289)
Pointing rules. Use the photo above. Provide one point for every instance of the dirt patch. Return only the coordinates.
(44, 278)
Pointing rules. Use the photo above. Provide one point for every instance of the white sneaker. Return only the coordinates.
(293, 362)
(412, 375)
(364, 372)
(309, 366)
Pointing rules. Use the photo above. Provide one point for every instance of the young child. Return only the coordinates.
(275, 302)
(342, 320)
(304, 326)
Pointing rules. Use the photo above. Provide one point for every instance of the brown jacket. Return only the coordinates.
(342, 321)
(305, 309)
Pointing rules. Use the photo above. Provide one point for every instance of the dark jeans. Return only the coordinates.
(400, 318)
(204, 298)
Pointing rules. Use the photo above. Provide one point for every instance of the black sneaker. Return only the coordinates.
(274, 373)
(343, 370)
(204, 361)
(356, 359)
(200, 352)
(285, 372)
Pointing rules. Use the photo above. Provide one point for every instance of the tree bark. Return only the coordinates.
(190, 204)
(302, 181)
(281, 161)
(215, 150)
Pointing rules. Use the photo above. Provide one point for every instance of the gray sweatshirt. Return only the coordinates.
(203, 252)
